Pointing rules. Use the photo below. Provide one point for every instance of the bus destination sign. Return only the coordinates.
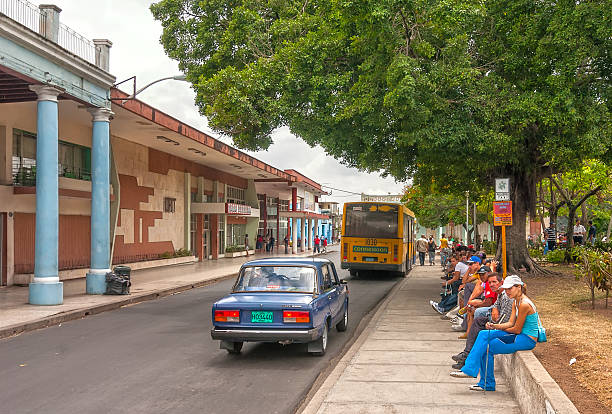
(370, 249)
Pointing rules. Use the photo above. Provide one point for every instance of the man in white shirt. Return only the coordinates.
(579, 233)
(421, 248)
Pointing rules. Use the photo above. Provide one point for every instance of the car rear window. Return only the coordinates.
(276, 279)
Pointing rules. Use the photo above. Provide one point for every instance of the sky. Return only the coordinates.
(136, 51)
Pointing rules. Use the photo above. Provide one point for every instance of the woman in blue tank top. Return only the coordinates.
(520, 333)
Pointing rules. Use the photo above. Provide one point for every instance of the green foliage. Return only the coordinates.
(490, 247)
(595, 268)
(556, 256)
(176, 253)
(234, 249)
(603, 246)
(419, 88)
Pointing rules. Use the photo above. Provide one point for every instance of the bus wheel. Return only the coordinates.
(353, 272)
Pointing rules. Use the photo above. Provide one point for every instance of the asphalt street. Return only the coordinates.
(158, 357)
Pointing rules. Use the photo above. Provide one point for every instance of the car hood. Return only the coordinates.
(302, 299)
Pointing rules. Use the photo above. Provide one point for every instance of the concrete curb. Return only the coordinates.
(312, 405)
(533, 388)
(52, 320)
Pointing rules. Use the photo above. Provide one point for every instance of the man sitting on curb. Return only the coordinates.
(468, 285)
(499, 313)
(458, 270)
(483, 296)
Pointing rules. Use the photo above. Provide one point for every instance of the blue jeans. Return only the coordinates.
(481, 311)
(498, 342)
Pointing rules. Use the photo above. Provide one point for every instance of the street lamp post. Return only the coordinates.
(136, 92)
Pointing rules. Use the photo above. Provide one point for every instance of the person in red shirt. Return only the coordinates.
(324, 243)
(317, 244)
(484, 294)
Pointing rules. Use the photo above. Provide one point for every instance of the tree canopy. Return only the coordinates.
(453, 91)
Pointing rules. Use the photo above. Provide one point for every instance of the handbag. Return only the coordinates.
(541, 331)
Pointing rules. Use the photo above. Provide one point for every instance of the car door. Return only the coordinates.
(327, 290)
(341, 290)
(333, 294)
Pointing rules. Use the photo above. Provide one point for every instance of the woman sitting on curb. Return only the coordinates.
(520, 333)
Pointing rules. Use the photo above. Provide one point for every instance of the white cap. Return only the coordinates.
(510, 281)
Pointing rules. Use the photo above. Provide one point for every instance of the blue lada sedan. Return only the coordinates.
(295, 300)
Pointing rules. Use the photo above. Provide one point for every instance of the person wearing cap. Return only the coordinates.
(499, 313)
(468, 284)
(520, 333)
(483, 296)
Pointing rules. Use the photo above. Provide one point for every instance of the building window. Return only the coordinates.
(236, 195)
(74, 161)
(284, 205)
(169, 205)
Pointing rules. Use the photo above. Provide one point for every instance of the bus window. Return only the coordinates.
(365, 220)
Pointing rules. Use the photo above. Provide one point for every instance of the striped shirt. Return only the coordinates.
(551, 234)
(503, 304)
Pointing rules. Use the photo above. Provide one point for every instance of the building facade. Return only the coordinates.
(90, 178)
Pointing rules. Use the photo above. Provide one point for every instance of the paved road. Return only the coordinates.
(158, 357)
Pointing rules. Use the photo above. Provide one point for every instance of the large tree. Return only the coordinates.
(458, 92)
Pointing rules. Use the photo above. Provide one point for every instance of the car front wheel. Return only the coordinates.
(343, 324)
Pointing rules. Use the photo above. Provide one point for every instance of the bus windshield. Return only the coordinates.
(371, 220)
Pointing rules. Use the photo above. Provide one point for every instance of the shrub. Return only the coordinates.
(490, 247)
(182, 253)
(166, 255)
(595, 268)
(555, 256)
(234, 248)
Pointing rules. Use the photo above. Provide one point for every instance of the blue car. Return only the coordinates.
(282, 300)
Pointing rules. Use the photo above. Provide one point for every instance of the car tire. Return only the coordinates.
(353, 272)
(322, 342)
(235, 348)
(343, 324)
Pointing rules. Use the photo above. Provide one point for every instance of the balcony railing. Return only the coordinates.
(30, 16)
(25, 13)
(25, 175)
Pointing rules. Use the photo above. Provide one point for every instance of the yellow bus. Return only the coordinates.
(377, 236)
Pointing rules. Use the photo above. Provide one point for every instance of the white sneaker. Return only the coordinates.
(460, 374)
(457, 328)
(453, 312)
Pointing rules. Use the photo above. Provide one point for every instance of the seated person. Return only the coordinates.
(483, 296)
(520, 333)
(499, 313)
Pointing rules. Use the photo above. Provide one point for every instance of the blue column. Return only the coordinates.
(46, 289)
(100, 202)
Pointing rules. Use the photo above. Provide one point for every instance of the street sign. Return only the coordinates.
(502, 213)
(502, 189)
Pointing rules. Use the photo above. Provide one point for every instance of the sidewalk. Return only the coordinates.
(18, 316)
(401, 362)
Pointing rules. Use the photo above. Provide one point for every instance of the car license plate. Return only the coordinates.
(370, 259)
(261, 317)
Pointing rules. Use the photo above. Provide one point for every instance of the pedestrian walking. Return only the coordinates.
(592, 232)
(551, 236)
(324, 244)
(272, 241)
(246, 244)
(421, 247)
(431, 249)
(317, 244)
(286, 242)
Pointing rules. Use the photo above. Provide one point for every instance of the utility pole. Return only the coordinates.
(475, 226)
(467, 215)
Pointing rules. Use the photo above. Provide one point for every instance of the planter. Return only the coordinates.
(235, 254)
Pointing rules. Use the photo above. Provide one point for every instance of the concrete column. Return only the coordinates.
(103, 53)
(294, 235)
(49, 26)
(46, 289)
(187, 208)
(100, 202)
(294, 199)
(310, 235)
(304, 234)
(6, 155)
(199, 239)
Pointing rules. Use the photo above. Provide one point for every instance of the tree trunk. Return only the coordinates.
(517, 254)
(609, 229)
(569, 232)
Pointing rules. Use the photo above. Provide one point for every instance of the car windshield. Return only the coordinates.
(276, 279)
